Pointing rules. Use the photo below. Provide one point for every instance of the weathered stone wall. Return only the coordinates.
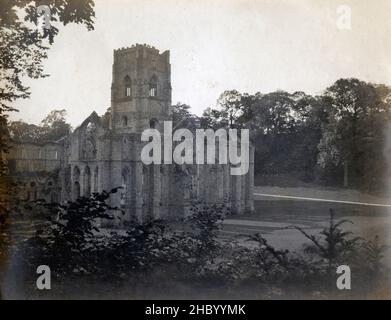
(29, 157)
(35, 169)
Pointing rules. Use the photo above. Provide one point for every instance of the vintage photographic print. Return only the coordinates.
(195, 150)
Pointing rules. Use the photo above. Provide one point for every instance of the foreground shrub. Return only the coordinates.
(72, 240)
(336, 247)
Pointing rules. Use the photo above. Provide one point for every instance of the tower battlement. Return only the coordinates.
(141, 88)
(137, 45)
(141, 50)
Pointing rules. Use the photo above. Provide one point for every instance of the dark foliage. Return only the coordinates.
(155, 251)
(72, 240)
(336, 247)
(335, 138)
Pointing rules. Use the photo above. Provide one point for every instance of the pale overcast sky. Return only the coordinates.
(215, 45)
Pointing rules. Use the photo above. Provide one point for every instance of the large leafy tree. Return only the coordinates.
(232, 111)
(274, 112)
(23, 45)
(183, 118)
(287, 132)
(353, 136)
(55, 126)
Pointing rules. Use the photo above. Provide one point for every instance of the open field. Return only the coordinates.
(273, 214)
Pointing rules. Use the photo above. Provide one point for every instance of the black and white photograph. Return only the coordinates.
(195, 150)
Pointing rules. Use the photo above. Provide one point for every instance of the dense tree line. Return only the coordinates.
(53, 128)
(336, 138)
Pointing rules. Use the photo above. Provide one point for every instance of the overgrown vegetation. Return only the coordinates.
(154, 255)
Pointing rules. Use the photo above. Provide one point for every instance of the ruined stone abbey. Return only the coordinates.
(104, 151)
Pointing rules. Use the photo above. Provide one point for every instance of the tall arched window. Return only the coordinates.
(76, 173)
(90, 148)
(87, 181)
(96, 181)
(152, 123)
(76, 190)
(128, 86)
(125, 187)
(124, 121)
(153, 86)
(33, 187)
(76, 183)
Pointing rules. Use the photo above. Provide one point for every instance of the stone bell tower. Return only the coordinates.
(141, 89)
